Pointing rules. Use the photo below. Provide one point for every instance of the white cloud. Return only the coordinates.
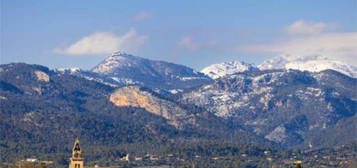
(311, 39)
(105, 43)
(188, 43)
(302, 27)
(142, 15)
(334, 46)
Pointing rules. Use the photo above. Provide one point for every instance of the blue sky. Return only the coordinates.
(81, 33)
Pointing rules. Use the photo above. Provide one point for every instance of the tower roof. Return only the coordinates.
(76, 146)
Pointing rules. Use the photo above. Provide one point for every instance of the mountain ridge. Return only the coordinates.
(227, 68)
(283, 106)
(129, 69)
(315, 63)
(44, 106)
(239, 100)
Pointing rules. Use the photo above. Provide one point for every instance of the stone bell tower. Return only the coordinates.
(77, 161)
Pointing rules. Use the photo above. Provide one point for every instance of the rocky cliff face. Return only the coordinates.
(133, 96)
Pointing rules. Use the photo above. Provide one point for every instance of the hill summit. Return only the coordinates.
(128, 69)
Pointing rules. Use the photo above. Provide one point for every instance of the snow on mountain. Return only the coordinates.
(117, 59)
(68, 70)
(283, 106)
(308, 63)
(219, 70)
(153, 74)
(89, 76)
(319, 65)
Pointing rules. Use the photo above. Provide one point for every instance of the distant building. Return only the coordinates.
(128, 158)
(47, 162)
(138, 158)
(31, 160)
(298, 164)
(153, 157)
(77, 161)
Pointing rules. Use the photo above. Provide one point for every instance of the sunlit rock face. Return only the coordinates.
(42, 76)
(134, 97)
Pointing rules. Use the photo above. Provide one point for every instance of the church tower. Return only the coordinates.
(77, 161)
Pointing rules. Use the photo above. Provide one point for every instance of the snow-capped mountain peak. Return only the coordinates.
(116, 59)
(313, 63)
(130, 69)
(226, 68)
(120, 53)
(320, 65)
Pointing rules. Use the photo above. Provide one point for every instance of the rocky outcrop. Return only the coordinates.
(42, 76)
(135, 97)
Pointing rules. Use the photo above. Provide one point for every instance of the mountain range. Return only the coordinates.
(312, 63)
(129, 99)
(288, 107)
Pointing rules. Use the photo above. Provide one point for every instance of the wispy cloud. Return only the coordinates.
(334, 46)
(302, 27)
(142, 16)
(104, 43)
(311, 40)
(187, 42)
